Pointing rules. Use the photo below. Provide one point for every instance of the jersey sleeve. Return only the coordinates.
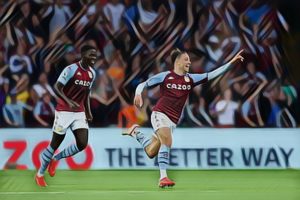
(199, 78)
(217, 72)
(152, 81)
(67, 74)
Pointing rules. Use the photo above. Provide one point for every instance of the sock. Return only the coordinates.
(67, 152)
(163, 173)
(142, 138)
(46, 156)
(163, 160)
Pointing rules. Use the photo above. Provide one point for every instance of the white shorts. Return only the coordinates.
(161, 120)
(63, 120)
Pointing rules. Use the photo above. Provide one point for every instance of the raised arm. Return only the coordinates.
(203, 78)
(217, 72)
(152, 81)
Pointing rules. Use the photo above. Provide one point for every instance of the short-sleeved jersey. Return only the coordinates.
(77, 83)
(174, 90)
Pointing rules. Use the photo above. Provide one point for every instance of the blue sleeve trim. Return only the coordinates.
(67, 74)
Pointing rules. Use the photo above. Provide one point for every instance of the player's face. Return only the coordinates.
(91, 57)
(184, 62)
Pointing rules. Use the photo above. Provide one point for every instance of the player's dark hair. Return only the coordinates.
(85, 48)
(175, 54)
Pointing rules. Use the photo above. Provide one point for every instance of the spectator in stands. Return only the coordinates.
(35, 32)
(196, 110)
(280, 98)
(250, 86)
(20, 68)
(113, 11)
(14, 111)
(226, 109)
(4, 88)
(61, 14)
(31, 51)
(44, 110)
(86, 18)
(117, 67)
(129, 114)
(42, 87)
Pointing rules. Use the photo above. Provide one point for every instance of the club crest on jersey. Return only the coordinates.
(187, 79)
(178, 86)
(78, 73)
(82, 83)
(170, 78)
(90, 74)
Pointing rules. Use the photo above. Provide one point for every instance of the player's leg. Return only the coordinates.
(165, 136)
(81, 136)
(80, 127)
(163, 127)
(47, 154)
(153, 148)
(63, 120)
(46, 157)
(150, 143)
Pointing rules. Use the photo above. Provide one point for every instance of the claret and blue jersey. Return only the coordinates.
(174, 90)
(77, 83)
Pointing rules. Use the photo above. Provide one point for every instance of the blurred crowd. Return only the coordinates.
(135, 37)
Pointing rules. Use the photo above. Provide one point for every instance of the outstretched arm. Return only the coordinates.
(217, 72)
(202, 78)
(152, 81)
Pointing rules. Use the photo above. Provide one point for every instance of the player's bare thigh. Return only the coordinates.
(162, 126)
(165, 136)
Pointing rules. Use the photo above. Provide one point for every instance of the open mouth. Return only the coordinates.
(187, 67)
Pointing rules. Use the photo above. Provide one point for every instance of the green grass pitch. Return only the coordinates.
(142, 185)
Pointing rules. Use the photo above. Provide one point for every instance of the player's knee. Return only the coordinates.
(81, 145)
(166, 140)
(151, 154)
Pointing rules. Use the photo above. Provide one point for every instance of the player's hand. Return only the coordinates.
(238, 57)
(138, 101)
(73, 104)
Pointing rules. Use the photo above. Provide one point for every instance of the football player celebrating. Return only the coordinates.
(72, 111)
(175, 87)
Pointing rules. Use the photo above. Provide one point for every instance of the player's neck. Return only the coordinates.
(83, 64)
(179, 72)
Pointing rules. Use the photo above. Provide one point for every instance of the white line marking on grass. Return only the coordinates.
(138, 191)
(106, 191)
(21, 193)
